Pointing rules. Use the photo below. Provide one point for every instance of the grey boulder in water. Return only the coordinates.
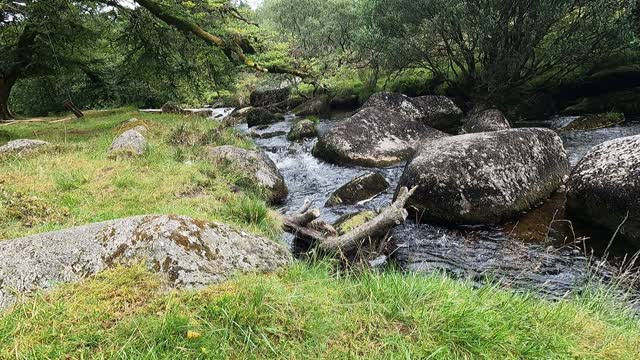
(303, 129)
(21, 146)
(438, 112)
(254, 164)
(187, 252)
(375, 137)
(484, 121)
(360, 188)
(485, 178)
(605, 188)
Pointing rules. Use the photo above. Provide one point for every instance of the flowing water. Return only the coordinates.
(528, 237)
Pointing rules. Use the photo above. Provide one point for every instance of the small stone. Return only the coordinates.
(21, 146)
(359, 189)
(130, 143)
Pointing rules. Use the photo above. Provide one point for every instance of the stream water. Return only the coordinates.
(533, 232)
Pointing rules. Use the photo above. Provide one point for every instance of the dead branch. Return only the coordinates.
(393, 215)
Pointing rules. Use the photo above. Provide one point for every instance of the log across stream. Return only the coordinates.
(533, 252)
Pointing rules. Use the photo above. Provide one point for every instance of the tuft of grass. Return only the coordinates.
(67, 181)
(309, 310)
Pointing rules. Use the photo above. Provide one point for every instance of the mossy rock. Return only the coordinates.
(595, 121)
(349, 222)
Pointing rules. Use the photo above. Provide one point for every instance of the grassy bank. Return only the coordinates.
(305, 311)
(73, 182)
(308, 312)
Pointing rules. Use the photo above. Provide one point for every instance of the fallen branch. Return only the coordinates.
(393, 215)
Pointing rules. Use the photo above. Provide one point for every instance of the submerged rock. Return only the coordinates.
(485, 121)
(21, 146)
(375, 137)
(316, 106)
(303, 129)
(129, 143)
(360, 188)
(260, 116)
(268, 97)
(604, 188)
(592, 122)
(485, 177)
(256, 165)
(485, 257)
(187, 252)
(439, 112)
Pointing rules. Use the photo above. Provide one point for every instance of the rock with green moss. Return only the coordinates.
(349, 222)
(188, 253)
(595, 121)
(303, 129)
(360, 188)
(172, 107)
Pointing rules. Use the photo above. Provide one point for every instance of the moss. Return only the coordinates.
(352, 221)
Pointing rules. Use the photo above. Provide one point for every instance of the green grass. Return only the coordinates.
(304, 311)
(310, 312)
(75, 181)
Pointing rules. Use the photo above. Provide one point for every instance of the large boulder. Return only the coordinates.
(593, 121)
(485, 177)
(604, 189)
(396, 102)
(484, 121)
(316, 106)
(439, 112)
(21, 146)
(254, 164)
(303, 129)
(260, 116)
(344, 102)
(360, 188)
(375, 137)
(187, 252)
(130, 143)
(268, 97)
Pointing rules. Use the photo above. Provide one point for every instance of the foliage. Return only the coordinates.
(487, 48)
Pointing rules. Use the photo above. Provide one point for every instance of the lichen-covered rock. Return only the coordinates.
(439, 112)
(316, 106)
(604, 189)
(594, 121)
(260, 116)
(303, 129)
(187, 252)
(375, 137)
(172, 107)
(396, 102)
(360, 188)
(256, 165)
(129, 143)
(484, 121)
(21, 146)
(267, 97)
(485, 177)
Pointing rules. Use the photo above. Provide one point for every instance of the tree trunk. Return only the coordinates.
(6, 83)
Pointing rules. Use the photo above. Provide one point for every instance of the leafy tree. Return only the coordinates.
(487, 48)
